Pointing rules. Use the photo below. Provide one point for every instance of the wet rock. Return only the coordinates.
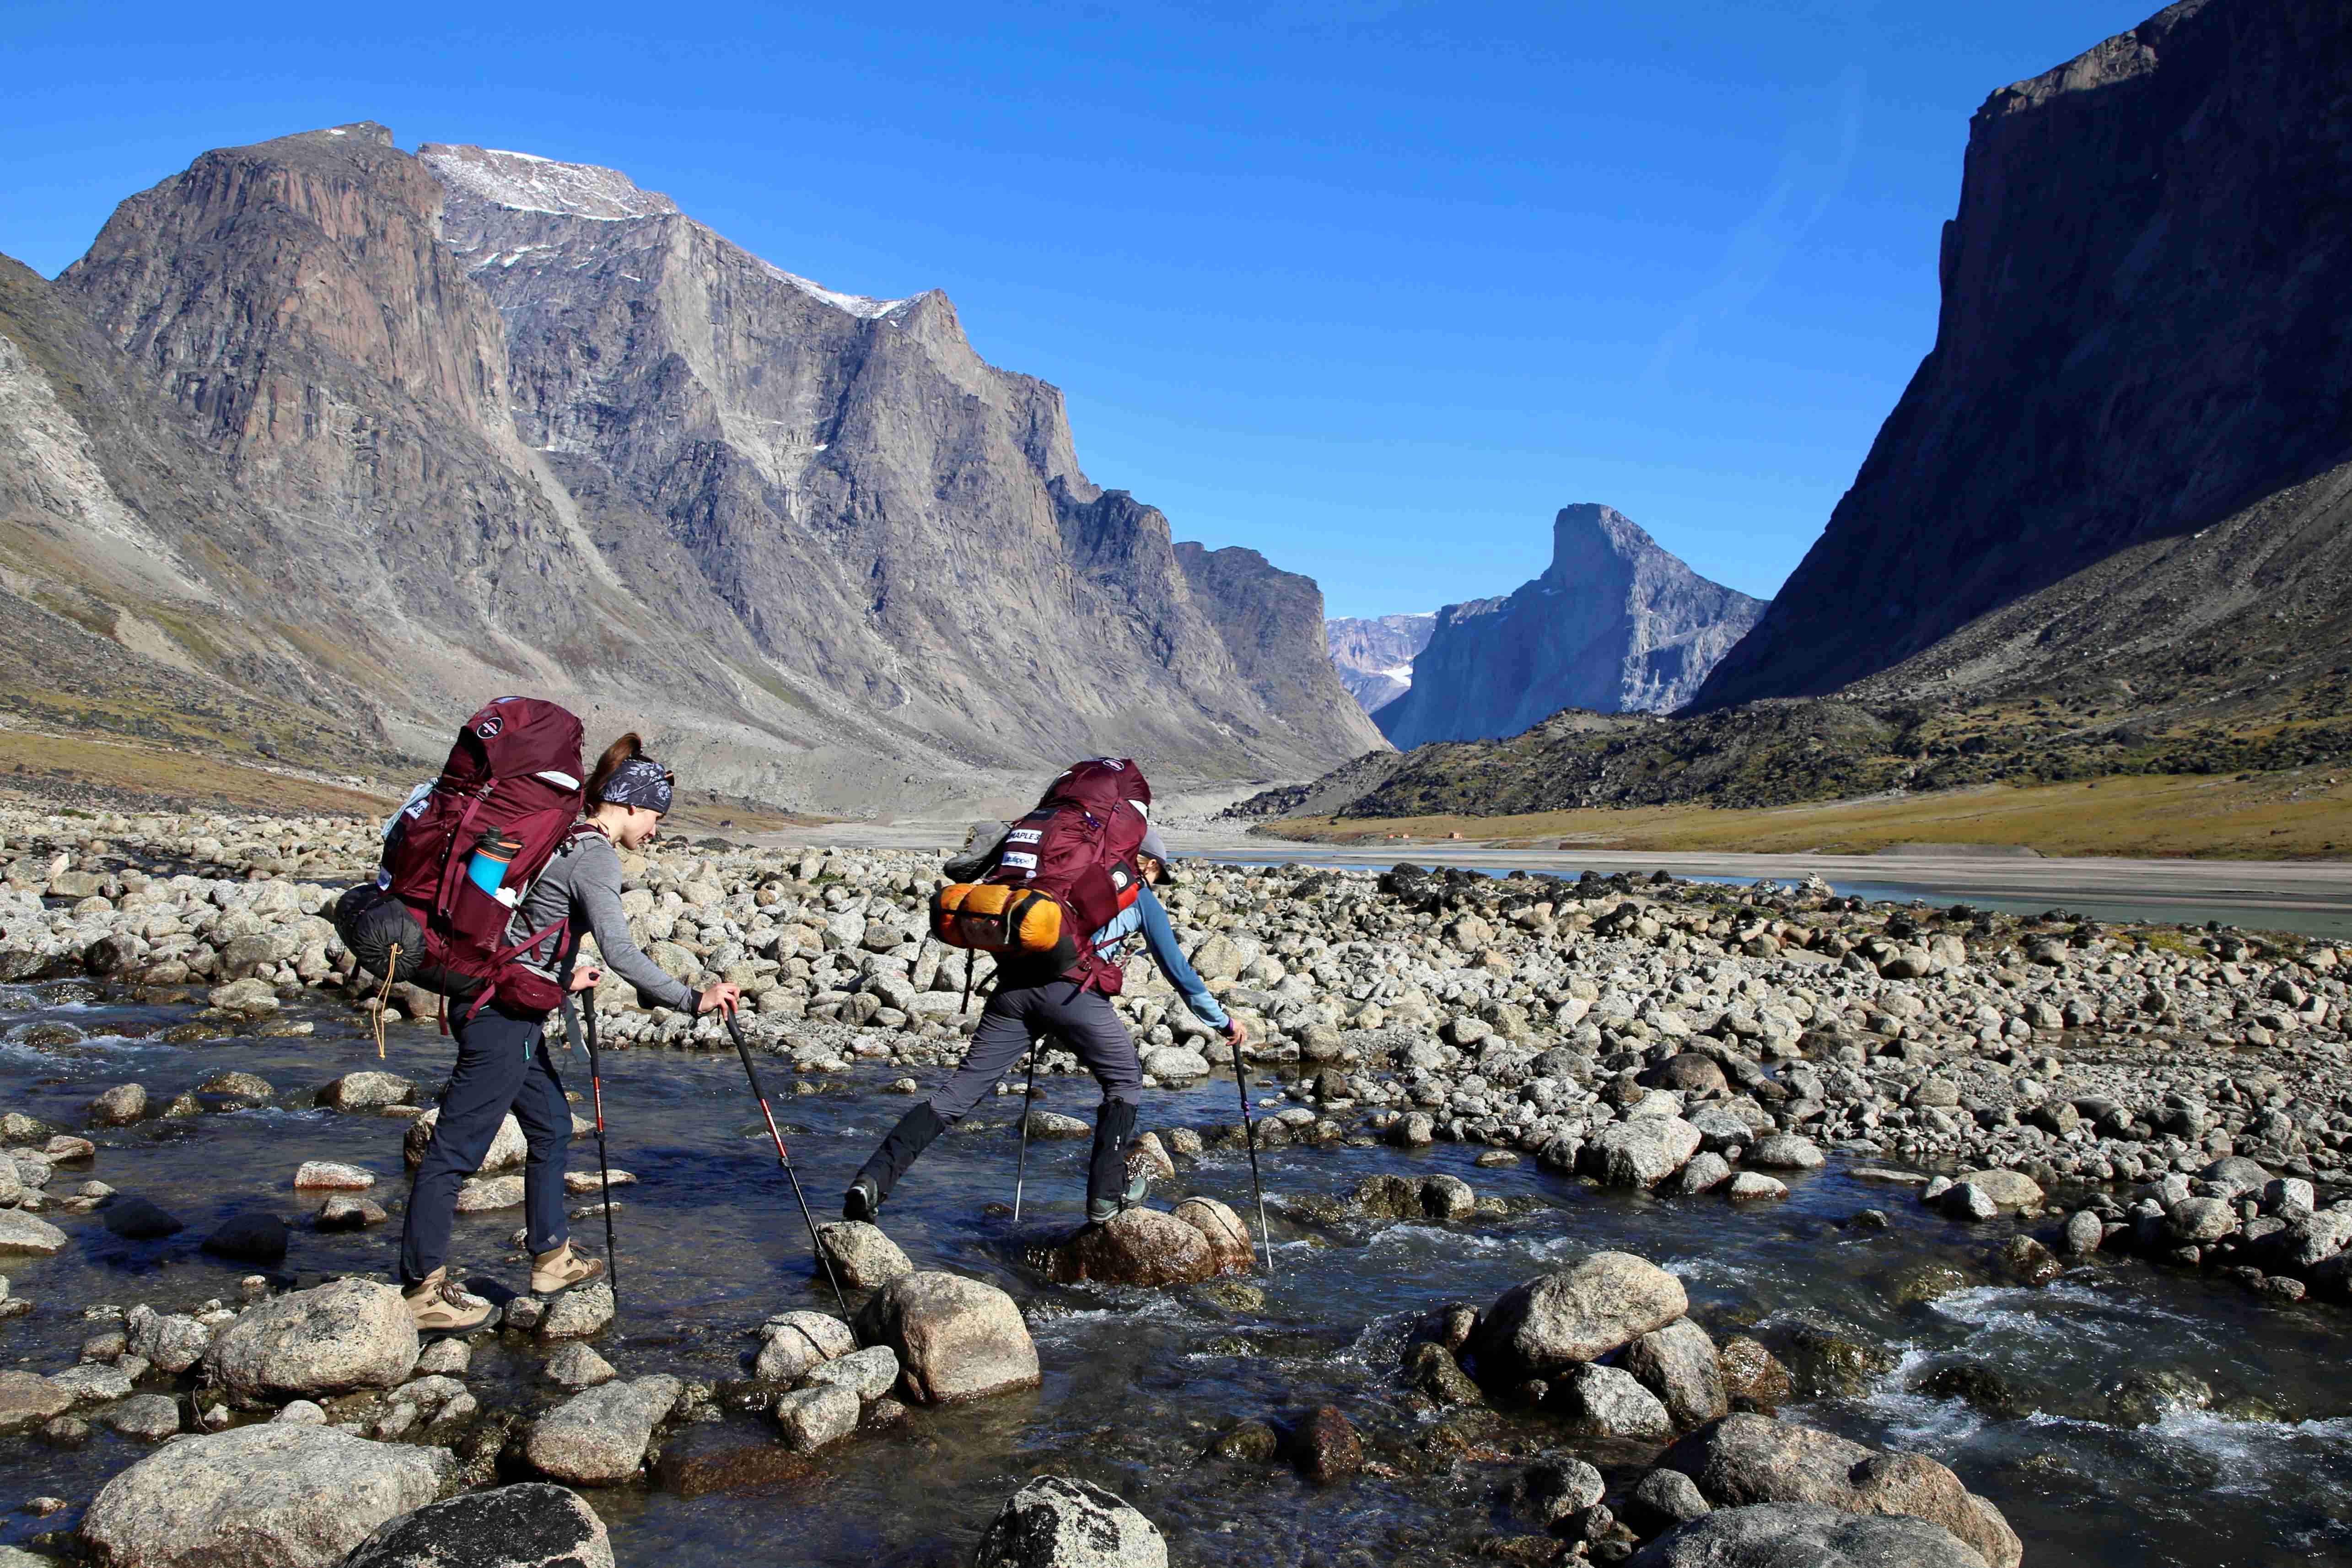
(266, 1496)
(523, 1314)
(168, 1341)
(1754, 1186)
(2145, 1395)
(1642, 1152)
(2027, 1261)
(1575, 1315)
(1925, 1280)
(509, 1149)
(119, 1106)
(1389, 1197)
(366, 1092)
(26, 1401)
(870, 1373)
(331, 1175)
(344, 1212)
(1447, 1198)
(1054, 1124)
(2086, 1233)
(1753, 1378)
(530, 1524)
(578, 1312)
(812, 1418)
(2195, 1221)
(600, 1437)
(1978, 1386)
(1704, 1173)
(1785, 1535)
(1826, 1364)
(2006, 1189)
(353, 1333)
(576, 1365)
(235, 1084)
(1663, 1499)
(1251, 1443)
(956, 1339)
(1966, 1200)
(793, 1342)
(138, 1219)
(1231, 1250)
(256, 1237)
(1175, 1064)
(1325, 1446)
(863, 1257)
(1436, 1372)
(1558, 1489)
(1607, 1402)
(94, 1383)
(488, 1195)
(1057, 1522)
(445, 1358)
(1744, 1459)
(147, 1418)
(1679, 1364)
(1139, 1247)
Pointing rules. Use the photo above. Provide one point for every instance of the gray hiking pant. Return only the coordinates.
(1015, 1016)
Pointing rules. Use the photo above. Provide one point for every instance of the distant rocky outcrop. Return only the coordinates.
(1374, 656)
(1614, 625)
(332, 437)
(2125, 459)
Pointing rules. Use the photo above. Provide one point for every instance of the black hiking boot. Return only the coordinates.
(1107, 1175)
(872, 1184)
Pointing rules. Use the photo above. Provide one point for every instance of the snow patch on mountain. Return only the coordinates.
(856, 304)
(530, 183)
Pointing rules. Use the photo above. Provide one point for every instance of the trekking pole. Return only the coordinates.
(1249, 1136)
(604, 1167)
(736, 1030)
(1021, 1175)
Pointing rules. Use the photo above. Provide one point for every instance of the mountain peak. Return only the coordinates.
(530, 183)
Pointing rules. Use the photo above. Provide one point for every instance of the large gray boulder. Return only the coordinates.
(1140, 1246)
(863, 1257)
(1578, 1314)
(793, 1342)
(1606, 1402)
(1679, 1364)
(353, 1333)
(1806, 1535)
(1056, 1522)
(1642, 1152)
(956, 1339)
(528, 1525)
(269, 1496)
(1744, 1459)
(28, 1399)
(599, 1438)
(28, 1234)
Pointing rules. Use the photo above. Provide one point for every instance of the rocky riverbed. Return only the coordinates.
(1925, 1182)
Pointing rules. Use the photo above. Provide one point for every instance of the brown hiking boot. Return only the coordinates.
(439, 1306)
(560, 1270)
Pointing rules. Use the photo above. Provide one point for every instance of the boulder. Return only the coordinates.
(1663, 1499)
(276, 1495)
(600, 1437)
(168, 1341)
(870, 1373)
(528, 1525)
(28, 1399)
(573, 1365)
(1642, 1152)
(148, 1417)
(1706, 1172)
(1056, 1522)
(1787, 1152)
(509, 1149)
(1606, 1402)
(793, 1342)
(812, 1418)
(863, 1257)
(1743, 1460)
(135, 1219)
(2007, 1189)
(578, 1312)
(1755, 1186)
(956, 1339)
(1783, 1535)
(258, 1237)
(353, 1333)
(1325, 1445)
(1578, 1314)
(1679, 1364)
(1138, 1247)
(331, 1176)
(1231, 1250)
(366, 1092)
(119, 1106)
(1175, 1063)
(1447, 1198)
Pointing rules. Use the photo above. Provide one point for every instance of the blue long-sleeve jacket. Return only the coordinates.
(1146, 917)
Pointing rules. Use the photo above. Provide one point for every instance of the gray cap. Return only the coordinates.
(1156, 848)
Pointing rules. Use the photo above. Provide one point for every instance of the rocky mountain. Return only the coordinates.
(2124, 458)
(1375, 655)
(321, 425)
(1614, 625)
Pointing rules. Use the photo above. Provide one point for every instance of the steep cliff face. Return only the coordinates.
(376, 437)
(1374, 655)
(1615, 623)
(2145, 330)
(1269, 620)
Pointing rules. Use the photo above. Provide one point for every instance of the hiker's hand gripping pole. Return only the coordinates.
(735, 1030)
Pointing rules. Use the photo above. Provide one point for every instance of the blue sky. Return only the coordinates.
(1374, 289)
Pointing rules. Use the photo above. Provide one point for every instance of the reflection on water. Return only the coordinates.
(1136, 1382)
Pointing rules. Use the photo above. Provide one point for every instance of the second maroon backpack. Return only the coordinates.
(1079, 848)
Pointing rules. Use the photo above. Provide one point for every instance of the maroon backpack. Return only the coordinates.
(510, 793)
(1080, 847)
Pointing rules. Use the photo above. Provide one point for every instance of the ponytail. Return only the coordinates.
(628, 748)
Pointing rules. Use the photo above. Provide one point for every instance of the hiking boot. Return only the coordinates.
(562, 1269)
(1101, 1209)
(439, 1305)
(1141, 1169)
(861, 1202)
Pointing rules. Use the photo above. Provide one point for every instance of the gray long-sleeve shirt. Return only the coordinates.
(582, 884)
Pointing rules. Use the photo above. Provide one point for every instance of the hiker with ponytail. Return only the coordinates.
(502, 1058)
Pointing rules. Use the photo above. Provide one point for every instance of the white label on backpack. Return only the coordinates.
(1025, 836)
(1019, 861)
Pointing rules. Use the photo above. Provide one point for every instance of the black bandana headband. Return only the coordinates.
(640, 783)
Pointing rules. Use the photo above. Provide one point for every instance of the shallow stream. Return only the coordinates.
(1137, 1383)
